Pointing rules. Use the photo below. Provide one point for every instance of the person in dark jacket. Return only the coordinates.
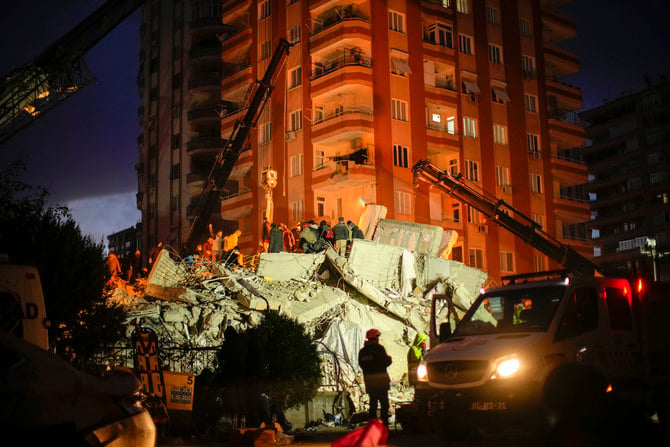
(356, 232)
(276, 243)
(373, 360)
(342, 235)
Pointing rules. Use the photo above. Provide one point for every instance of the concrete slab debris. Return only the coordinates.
(385, 283)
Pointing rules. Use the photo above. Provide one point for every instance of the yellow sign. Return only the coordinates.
(179, 389)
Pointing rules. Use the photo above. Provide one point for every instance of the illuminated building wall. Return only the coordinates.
(372, 86)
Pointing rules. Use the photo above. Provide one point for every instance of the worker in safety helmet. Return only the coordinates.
(373, 360)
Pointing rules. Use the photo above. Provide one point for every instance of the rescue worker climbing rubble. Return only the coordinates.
(374, 360)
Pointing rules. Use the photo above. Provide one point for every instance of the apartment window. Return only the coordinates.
(441, 34)
(506, 261)
(539, 263)
(400, 67)
(499, 134)
(463, 6)
(456, 212)
(296, 165)
(533, 143)
(453, 167)
(338, 110)
(492, 15)
(297, 210)
(265, 133)
(400, 156)
(502, 176)
(524, 27)
(399, 109)
(531, 103)
(472, 170)
(499, 95)
(265, 50)
(320, 206)
(319, 159)
(469, 127)
(495, 54)
(474, 216)
(476, 258)
(465, 44)
(294, 34)
(318, 114)
(296, 120)
(528, 66)
(451, 125)
(538, 219)
(264, 10)
(396, 21)
(295, 77)
(403, 202)
(535, 183)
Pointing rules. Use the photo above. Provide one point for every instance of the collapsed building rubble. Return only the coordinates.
(386, 282)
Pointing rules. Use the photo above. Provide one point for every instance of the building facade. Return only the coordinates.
(629, 160)
(369, 88)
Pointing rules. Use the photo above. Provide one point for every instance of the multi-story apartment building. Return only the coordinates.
(369, 88)
(179, 82)
(629, 165)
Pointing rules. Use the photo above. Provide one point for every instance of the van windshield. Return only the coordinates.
(513, 310)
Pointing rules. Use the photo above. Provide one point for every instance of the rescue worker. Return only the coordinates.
(415, 354)
(342, 236)
(374, 360)
(276, 244)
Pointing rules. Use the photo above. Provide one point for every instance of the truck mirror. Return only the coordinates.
(445, 331)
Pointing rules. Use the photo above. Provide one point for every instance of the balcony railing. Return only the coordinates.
(573, 154)
(206, 142)
(233, 194)
(571, 197)
(343, 111)
(350, 12)
(230, 69)
(349, 57)
(441, 128)
(445, 84)
(565, 116)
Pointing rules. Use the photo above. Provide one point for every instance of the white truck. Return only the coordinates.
(553, 351)
(552, 355)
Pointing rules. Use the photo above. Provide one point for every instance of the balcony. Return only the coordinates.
(240, 38)
(333, 17)
(203, 114)
(559, 61)
(351, 29)
(440, 133)
(337, 175)
(345, 123)
(557, 27)
(205, 143)
(207, 80)
(347, 58)
(565, 96)
(205, 52)
(442, 92)
(208, 25)
(565, 127)
(195, 182)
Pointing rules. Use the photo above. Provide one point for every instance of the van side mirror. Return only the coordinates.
(445, 331)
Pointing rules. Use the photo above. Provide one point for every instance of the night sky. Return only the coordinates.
(85, 149)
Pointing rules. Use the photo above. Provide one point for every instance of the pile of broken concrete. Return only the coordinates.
(386, 282)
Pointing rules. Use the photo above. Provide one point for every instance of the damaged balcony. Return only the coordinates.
(345, 171)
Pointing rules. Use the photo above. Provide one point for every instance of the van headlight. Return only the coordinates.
(422, 373)
(506, 367)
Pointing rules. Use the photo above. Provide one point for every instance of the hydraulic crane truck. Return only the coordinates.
(209, 200)
(571, 353)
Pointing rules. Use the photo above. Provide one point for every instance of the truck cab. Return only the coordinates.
(534, 352)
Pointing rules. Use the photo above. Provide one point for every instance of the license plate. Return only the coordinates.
(488, 406)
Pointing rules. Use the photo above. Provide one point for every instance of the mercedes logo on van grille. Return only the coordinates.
(450, 370)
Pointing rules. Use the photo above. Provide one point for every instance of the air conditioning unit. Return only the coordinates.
(484, 229)
(535, 154)
(290, 135)
(507, 189)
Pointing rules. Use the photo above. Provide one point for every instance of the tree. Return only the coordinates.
(72, 267)
(292, 373)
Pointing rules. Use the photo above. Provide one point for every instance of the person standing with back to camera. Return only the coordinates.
(374, 360)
